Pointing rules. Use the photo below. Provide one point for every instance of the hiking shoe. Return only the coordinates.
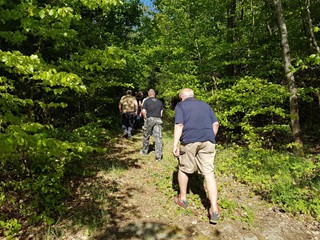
(214, 216)
(181, 203)
(143, 153)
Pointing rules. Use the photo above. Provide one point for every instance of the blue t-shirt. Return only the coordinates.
(197, 118)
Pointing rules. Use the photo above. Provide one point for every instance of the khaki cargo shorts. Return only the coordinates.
(198, 156)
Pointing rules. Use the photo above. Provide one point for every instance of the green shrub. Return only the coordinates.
(253, 111)
(36, 166)
(281, 178)
(10, 227)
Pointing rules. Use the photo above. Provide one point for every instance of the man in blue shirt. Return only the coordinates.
(195, 128)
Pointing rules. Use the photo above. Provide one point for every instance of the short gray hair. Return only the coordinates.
(151, 92)
(186, 93)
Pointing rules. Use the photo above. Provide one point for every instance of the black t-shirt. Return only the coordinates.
(153, 107)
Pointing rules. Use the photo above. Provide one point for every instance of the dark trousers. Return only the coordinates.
(127, 122)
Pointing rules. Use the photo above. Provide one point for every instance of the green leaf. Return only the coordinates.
(42, 14)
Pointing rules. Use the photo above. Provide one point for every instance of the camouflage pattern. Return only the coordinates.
(128, 103)
(152, 126)
(128, 108)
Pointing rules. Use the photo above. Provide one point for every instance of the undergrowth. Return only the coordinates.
(281, 178)
(38, 165)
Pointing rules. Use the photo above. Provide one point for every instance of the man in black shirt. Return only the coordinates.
(152, 110)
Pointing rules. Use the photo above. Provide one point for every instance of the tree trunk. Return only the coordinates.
(294, 108)
(231, 24)
(252, 13)
(310, 28)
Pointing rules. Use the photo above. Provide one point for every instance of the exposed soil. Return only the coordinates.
(132, 205)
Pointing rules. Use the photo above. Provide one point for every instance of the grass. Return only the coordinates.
(290, 182)
(260, 170)
(280, 178)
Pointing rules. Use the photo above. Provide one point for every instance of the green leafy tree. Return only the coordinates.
(209, 46)
(61, 62)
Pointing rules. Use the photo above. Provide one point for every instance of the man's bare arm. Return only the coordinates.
(143, 113)
(215, 127)
(176, 138)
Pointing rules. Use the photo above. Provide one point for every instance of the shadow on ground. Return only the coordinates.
(195, 186)
(100, 202)
(144, 230)
(98, 197)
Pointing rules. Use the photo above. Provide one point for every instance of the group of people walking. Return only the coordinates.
(150, 109)
(195, 130)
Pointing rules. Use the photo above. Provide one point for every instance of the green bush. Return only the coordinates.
(10, 227)
(282, 178)
(36, 166)
(253, 111)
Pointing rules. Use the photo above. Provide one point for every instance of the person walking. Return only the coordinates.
(128, 108)
(152, 110)
(137, 121)
(195, 129)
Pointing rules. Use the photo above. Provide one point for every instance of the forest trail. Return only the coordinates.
(138, 204)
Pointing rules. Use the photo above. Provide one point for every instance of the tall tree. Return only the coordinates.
(231, 24)
(294, 107)
(62, 65)
(313, 39)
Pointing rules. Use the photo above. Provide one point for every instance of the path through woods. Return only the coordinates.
(138, 204)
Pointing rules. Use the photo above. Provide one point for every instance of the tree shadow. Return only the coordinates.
(88, 205)
(195, 186)
(100, 202)
(144, 230)
(151, 147)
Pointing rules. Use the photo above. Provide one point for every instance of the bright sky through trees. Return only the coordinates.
(147, 2)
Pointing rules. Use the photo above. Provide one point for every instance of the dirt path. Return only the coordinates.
(146, 209)
(138, 204)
